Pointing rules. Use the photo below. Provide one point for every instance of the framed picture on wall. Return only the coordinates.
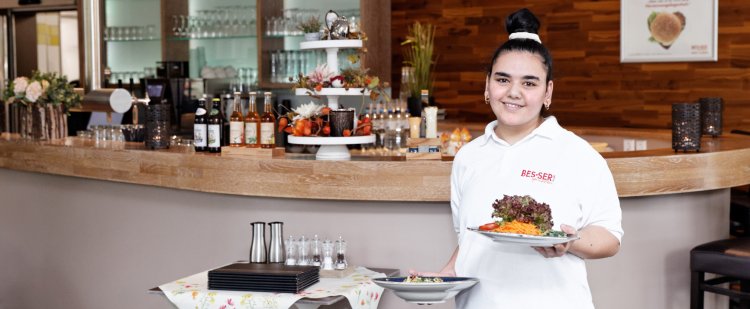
(668, 30)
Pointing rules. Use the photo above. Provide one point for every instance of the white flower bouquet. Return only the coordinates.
(42, 89)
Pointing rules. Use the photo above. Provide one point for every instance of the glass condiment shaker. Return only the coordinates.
(291, 251)
(340, 254)
(304, 248)
(316, 250)
(327, 255)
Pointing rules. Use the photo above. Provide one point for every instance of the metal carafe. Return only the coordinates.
(258, 246)
(276, 247)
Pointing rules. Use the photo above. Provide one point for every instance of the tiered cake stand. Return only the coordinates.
(332, 148)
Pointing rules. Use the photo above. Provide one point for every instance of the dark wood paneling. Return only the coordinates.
(25, 44)
(592, 87)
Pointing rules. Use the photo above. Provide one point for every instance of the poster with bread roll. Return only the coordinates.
(668, 30)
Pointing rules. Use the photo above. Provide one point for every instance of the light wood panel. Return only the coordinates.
(592, 87)
(723, 163)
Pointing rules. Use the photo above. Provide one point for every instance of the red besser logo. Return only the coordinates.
(538, 176)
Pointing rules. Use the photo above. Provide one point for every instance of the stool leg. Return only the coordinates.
(745, 287)
(696, 293)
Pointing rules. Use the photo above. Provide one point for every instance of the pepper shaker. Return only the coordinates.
(341, 254)
(316, 251)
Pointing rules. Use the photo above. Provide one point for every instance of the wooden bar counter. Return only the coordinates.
(129, 219)
(637, 173)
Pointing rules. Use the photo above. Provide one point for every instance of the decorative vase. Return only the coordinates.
(42, 121)
(312, 36)
(416, 106)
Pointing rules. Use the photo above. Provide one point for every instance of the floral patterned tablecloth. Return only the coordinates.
(192, 292)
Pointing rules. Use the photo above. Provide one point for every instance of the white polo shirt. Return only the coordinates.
(553, 166)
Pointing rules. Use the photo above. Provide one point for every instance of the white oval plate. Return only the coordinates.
(426, 292)
(531, 240)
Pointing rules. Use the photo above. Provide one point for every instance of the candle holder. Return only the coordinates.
(157, 126)
(686, 126)
(341, 119)
(711, 115)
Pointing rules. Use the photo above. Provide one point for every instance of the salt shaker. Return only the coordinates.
(291, 251)
(327, 255)
(316, 251)
(341, 254)
(304, 248)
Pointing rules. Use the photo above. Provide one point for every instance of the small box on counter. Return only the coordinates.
(423, 149)
(253, 152)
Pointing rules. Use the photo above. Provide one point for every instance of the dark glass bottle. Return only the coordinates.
(200, 127)
(215, 126)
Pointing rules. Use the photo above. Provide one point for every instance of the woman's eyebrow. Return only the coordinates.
(525, 77)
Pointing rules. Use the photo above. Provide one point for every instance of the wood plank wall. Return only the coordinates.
(592, 87)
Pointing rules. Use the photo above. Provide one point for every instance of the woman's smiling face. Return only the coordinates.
(517, 90)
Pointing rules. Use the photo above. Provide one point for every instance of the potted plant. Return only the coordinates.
(418, 54)
(311, 28)
(43, 102)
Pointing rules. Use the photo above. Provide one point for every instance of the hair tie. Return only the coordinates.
(525, 35)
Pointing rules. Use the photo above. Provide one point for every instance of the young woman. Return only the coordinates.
(507, 160)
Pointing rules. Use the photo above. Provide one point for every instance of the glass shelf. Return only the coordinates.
(138, 40)
(283, 36)
(211, 38)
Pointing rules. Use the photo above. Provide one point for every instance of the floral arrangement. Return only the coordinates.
(351, 77)
(312, 120)
(42, 88)
(310, 25)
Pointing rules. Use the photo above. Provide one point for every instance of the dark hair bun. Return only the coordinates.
(522, 21)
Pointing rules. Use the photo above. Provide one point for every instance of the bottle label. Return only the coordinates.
(199, 135)
(200, 111)
(251, 133)
(267, 136)
(214, 135)
(235, 132)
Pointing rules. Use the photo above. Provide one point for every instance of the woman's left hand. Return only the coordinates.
(558, 250)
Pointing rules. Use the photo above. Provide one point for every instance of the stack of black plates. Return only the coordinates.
(263, 277)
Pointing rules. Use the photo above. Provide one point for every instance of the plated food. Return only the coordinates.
(418, 279)
(521, 219)
(426, 290)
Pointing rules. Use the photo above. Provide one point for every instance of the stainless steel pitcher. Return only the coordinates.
(276, 247)
(258, 246)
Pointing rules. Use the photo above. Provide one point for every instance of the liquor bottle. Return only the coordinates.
(215, 126)
(236, 124)
(200, 127)
(226, 110)
(252, 123)
(425, 98)
(267, 124)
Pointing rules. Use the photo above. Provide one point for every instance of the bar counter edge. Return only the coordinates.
(720, 164)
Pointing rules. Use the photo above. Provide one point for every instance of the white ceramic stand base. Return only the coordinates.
(332, 148)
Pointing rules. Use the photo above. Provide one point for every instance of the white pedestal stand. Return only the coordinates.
(332, 148)
(332, 50)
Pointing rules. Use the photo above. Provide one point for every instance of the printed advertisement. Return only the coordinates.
(668, 30)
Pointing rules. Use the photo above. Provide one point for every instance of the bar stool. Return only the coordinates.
(730, 259)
